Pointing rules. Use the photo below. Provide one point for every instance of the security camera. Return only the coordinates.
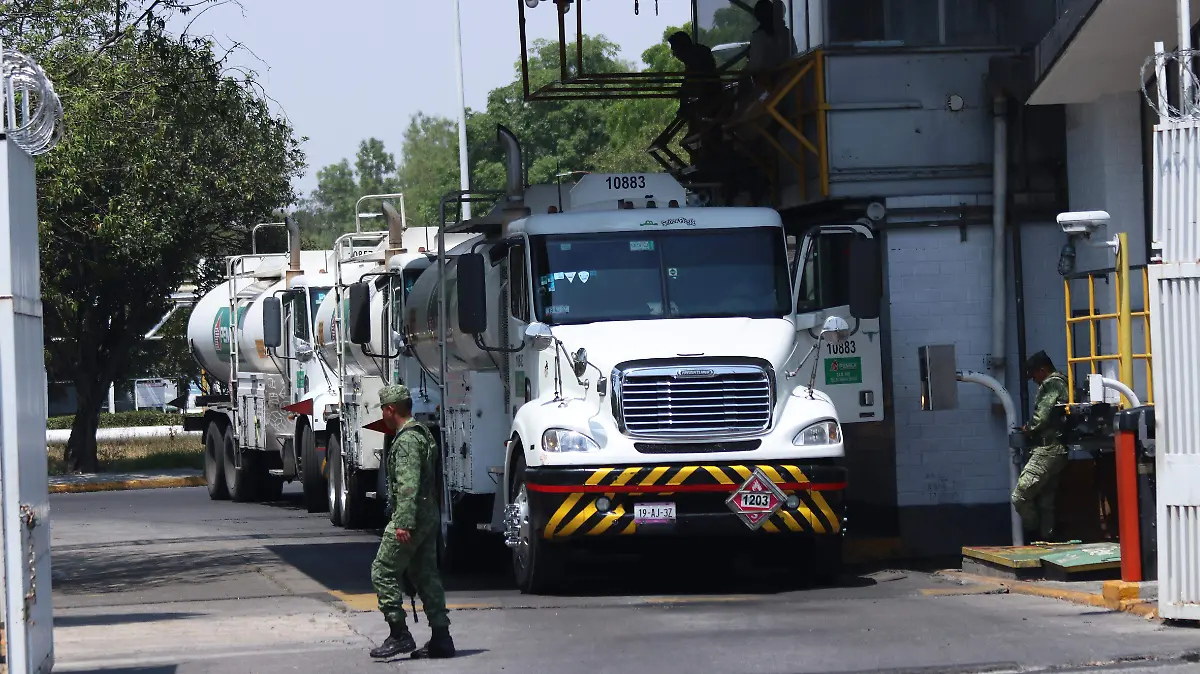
(1083, 222)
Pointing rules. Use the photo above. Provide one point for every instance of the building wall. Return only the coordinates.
(952, 469)
(1104, 167)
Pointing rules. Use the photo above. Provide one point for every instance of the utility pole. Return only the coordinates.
(464, 178)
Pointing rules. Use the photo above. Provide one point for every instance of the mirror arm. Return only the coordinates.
(371, 354)
(496, 349)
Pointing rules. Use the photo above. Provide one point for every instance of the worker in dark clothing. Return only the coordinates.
(701, 96)
(1034, 495)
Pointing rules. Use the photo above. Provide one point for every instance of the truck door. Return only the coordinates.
(851, 373)
(301, 339)
(521, 389)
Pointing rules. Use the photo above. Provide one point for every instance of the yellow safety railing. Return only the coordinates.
(788, 83)
(1123, 316)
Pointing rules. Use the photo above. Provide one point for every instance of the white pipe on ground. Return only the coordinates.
(58, 438)
(1014, 425)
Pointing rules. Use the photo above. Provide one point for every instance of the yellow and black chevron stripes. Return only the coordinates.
(699, 491)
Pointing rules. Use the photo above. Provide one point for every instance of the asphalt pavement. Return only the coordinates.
(164, 581)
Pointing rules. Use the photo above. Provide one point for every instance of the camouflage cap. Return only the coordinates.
(391, 395)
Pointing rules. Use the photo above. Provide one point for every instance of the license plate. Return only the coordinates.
(654, 513)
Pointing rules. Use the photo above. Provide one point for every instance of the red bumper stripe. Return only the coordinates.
(663, 488)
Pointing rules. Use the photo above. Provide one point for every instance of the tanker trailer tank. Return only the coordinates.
(421, 319)
(209, 328)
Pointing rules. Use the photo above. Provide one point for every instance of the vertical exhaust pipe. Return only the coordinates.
(514, 187)
(293, 270)
(396, 226)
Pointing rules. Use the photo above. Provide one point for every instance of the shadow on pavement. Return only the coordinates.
(117, 570)
(162, 669)
(118, 619)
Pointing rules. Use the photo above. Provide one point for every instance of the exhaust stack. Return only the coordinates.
(514, 166)
(293, 270)
(396, 225)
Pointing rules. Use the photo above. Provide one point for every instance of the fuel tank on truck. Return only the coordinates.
(209, 325)
(327, 327)
(421, 318)
(209, 328)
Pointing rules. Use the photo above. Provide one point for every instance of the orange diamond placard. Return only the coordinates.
(756, 500)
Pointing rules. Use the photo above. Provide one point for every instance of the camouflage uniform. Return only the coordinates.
(1034, 496)
(411, 466)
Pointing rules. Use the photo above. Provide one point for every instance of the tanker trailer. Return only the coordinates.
(233, 333)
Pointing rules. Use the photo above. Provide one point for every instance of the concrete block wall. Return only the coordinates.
(952, 466)
(1104, 172)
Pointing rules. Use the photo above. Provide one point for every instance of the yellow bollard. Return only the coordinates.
(1124, 315)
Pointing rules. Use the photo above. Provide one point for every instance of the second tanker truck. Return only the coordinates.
(617, 365)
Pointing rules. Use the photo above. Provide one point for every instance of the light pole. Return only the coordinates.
(464, 179)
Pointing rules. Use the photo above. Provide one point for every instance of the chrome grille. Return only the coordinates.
(703, 401)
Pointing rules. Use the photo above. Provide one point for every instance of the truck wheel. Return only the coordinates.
(214, 462)
(312, 478)
(354, 498)
(825, 560)
(333, 458)
(537, 564)
(239, 476)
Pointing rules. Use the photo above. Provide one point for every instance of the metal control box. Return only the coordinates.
(939, 377)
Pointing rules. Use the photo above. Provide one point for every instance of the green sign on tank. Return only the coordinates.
(221, 334)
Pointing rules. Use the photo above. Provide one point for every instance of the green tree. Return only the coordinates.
(167, 161)
(430, 167)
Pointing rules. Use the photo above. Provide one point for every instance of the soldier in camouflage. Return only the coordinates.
(1035, 493)
(410, 539)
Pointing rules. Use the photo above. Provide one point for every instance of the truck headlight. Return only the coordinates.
(562, 440)
(821, 433)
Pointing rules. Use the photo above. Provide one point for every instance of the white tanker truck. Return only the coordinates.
(301, 394)
(613, 369)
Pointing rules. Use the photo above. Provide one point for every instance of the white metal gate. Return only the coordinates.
(1175, 333)
(31, 115)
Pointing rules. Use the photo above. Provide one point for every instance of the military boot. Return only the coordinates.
(398, 642)
(440, 645)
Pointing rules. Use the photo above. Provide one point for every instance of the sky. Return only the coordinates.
(362, 70)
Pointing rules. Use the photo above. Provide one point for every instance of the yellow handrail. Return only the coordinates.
(1123, 316)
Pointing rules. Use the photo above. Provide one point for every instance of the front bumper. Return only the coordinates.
(563, 502)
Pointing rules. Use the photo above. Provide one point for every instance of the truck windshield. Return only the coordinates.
(614, 276)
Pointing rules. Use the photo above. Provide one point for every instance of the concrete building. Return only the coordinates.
(912, 90)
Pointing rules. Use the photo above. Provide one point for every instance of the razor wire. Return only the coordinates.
(32, 114)
(1163, 74)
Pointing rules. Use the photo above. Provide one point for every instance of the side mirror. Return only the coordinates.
(835, 330)
(472, 294)
(538, 336)
(866, 277)
(272, 322)
(579, 362)
(360, 314)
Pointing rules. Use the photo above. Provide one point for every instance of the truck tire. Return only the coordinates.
(537, 564)
(312, 477)
(239, 474)
(333, 458)
(214, 462)
(825, 561)
(354, 498)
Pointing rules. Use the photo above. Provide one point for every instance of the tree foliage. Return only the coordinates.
(167, 161)
(556, 137)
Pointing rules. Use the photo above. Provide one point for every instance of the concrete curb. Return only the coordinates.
(122, 485)
(1116, 597)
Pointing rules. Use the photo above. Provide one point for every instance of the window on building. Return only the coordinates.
(913, 23)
